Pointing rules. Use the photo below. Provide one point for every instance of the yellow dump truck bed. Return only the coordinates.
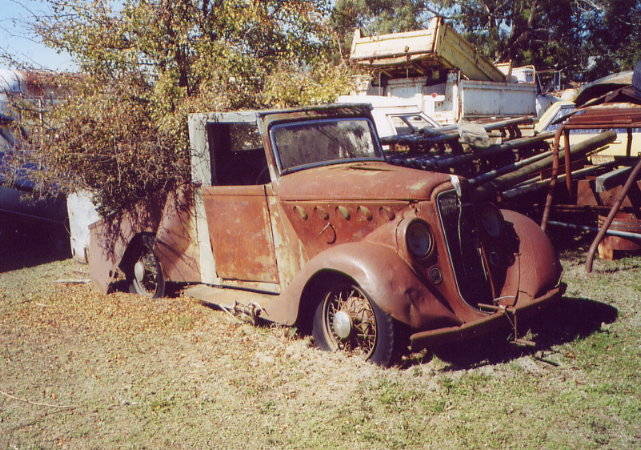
(437, 46)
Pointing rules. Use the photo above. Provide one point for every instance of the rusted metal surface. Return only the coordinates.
(356, 181)
(589, 196)
(170, 220)
(387, 279)
(485, 325)
(287, 237)
(539, 267)
(380, 264)
(608, 116)
(587, 145)
(604, 118)
(176, 239)
(628, 228)
(613, 212)
(623, 235)
(240, 233)
(325, 224)
(611, 245)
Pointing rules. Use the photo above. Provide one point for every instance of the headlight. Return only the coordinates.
(491, 220)
(419, 239)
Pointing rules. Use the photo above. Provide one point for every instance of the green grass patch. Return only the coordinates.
(172, 373)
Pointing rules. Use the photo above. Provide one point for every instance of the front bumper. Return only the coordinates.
(502, 318)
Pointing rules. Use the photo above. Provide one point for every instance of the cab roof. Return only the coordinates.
(311, 112)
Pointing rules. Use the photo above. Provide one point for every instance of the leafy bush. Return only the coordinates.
(122, 131)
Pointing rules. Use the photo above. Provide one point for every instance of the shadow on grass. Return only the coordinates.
(32, 244)
(626, 267)
(570, 319)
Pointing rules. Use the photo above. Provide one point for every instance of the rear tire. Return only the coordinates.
(145, 274)
(347, 320)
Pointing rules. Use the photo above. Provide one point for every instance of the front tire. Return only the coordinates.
(145, 275)
(347, 320)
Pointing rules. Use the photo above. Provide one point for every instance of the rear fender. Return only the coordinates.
(170, 220)
(109, 240)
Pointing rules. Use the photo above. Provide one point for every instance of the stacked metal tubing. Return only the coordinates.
(505, 178)
(443, 162)
(432, 136)
(512, 180)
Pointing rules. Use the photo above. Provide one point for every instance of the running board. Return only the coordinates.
(229, 298)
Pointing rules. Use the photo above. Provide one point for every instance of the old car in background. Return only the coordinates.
(394, 116)
(297, 216)
(23, 213)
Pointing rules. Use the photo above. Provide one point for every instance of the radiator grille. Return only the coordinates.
(464, 247)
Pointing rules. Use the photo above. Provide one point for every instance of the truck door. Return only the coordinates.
(240, 233)
(236, 205)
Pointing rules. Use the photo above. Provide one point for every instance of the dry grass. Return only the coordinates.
(172, 372)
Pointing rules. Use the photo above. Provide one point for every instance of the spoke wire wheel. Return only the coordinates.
(349, 321)
(147, 278)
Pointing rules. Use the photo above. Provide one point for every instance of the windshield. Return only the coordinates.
(315, 142)
(409, 123)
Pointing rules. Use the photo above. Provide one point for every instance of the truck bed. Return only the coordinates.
(437, 46)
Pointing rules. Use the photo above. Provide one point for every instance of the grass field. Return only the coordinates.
(80, 369)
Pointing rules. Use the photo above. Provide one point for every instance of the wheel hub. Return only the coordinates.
(342, 324)
(139, 270)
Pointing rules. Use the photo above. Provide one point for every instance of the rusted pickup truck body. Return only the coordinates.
(297, 214)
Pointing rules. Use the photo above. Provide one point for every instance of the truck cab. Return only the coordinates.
(296, 215)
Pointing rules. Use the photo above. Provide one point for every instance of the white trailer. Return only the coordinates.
(458, 99)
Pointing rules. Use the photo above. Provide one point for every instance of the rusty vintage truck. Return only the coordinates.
(297, 215)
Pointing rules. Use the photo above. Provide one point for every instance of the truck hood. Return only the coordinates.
(371, 180)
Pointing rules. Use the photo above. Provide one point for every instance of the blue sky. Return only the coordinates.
(17, 39)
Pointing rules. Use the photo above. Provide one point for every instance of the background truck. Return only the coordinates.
(452, 79)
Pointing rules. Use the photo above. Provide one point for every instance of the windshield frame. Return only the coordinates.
(378, 149)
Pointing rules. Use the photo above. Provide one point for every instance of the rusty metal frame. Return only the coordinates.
(615, 209)
(591, 119)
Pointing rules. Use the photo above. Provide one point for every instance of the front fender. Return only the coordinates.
(538, 269)
(383, 275)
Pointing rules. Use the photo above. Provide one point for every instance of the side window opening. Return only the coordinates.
(237, 155)
(417, 122)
